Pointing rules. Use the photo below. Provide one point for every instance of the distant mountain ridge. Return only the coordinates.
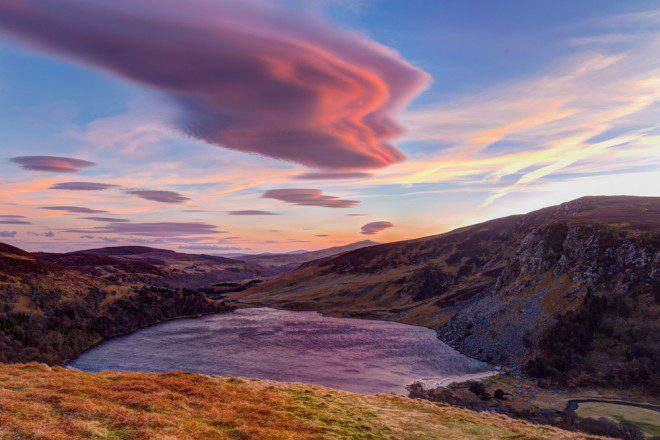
(141, 265)
(512, 290)
(49, 313)
(290, 260)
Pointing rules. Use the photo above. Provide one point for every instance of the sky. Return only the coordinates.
(222, 126)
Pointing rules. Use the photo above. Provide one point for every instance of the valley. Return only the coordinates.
(568, 294)
(563, 300)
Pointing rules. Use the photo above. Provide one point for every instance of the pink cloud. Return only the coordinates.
(82, 186)
(53, 164)
(252, 212)
(160, 229)
(74, 209)
(375, 227)
(333, 175)
(158, 196)
(308, 197)
(245, 76)
(106, 219)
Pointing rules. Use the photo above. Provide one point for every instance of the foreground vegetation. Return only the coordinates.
(49, 313)
(41, 402)
(647, 419)
(629, 414)
(51, 326)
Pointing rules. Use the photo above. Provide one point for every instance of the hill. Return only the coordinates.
(569, 293)
(280, 263)
(50, 313)
(140, 265)
(40, 402)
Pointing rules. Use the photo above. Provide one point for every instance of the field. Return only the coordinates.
(648, 420)
(41, 402)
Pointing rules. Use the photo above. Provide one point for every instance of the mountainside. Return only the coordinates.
(280, 263)
(49, 313)
(514, 291)
(40, 402)
(140, 265)
(21, 269)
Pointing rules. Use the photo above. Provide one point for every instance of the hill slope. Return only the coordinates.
(280, 263)
(512, 290)
(140, 265)
(49, 313)
(40, 402)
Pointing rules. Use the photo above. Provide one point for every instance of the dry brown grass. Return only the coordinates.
(40, 402)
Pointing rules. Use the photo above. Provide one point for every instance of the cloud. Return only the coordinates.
(357, 215)
(159, 229)
(12, 216)
(333, 175)
(53, 164)
(596, 110)
(375, 227)
(15, 222)
(82, 186)
(255, 79)
(321, 235)
(106, 219)
(49, 234)
(74, 209)
(210, 247)
(7, 234)
(158, 196)
(252, 212)
(308, 197)
(88, 237)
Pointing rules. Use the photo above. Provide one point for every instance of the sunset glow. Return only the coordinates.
(250, 126)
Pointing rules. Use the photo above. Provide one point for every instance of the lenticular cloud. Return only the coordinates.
(254, 79)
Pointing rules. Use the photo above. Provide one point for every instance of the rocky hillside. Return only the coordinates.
(570, 293)
(40, 402)
(49, 313)
(140, 265)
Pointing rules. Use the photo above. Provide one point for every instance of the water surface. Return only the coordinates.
(351, 354)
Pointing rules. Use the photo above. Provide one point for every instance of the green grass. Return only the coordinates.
(647, 420)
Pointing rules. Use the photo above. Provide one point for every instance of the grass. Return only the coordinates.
(647, 420)
(41, 402)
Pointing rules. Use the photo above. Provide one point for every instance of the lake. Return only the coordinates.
(357, 355)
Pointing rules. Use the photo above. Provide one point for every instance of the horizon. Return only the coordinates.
(252, 127)
(236, 254)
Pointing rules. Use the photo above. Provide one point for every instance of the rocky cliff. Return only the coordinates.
(569, 293)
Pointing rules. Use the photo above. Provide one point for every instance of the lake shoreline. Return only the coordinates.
(364, 356)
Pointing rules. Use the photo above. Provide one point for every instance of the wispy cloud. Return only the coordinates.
(53, 164)
(308, 197)
(82, 186)
(106, 219)
(158, 196)
(252, 212)
(160, 229)
(74, 209)
(599, 108)
(333, 176)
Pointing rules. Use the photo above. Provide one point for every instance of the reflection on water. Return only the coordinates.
(351, 354)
